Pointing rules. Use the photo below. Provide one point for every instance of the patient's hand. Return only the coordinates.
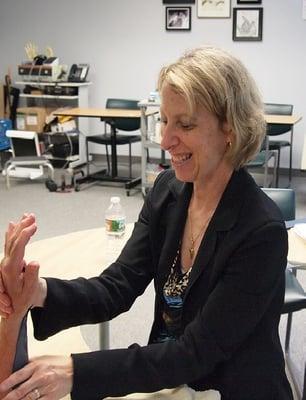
(18, 279)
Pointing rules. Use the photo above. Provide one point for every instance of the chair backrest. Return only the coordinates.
(284, 199)
(278, 109)
(24, 143)
(124, 124)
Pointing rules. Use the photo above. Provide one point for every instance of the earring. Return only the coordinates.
(229, 144)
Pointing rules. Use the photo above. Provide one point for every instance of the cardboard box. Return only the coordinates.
(31, 118)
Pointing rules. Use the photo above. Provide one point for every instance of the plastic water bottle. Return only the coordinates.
(115, 218)
(114, 228)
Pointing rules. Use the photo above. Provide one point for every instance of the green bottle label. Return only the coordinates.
(115, 225)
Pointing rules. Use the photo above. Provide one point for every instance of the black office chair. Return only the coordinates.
(261, 161)
(120, 124)
(280, 129)
(295, 296)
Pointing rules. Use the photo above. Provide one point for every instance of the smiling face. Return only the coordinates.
(197, 143)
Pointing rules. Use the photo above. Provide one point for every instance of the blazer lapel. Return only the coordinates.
(176, 214)
(223, 220)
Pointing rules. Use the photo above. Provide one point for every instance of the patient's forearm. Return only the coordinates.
(9, 331)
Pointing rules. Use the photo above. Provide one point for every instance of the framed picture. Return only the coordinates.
(214, 8)
(247, 24)
(178, 18)
(248, 1)
(178, 1)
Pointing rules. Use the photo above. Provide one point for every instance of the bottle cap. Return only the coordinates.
(115, 199)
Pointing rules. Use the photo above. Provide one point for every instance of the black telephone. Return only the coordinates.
(40, 59)
(78, 72)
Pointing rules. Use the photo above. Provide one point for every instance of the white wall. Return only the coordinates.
(126, 43)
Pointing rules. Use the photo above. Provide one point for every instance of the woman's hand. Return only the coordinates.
(48, 377)
(15, 274)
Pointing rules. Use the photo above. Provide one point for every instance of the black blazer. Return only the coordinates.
(231, 308)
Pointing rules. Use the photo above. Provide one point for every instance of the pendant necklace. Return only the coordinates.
(193, 239)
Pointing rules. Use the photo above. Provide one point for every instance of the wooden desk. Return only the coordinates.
(282, 119)
(106, 114)
(103, 113)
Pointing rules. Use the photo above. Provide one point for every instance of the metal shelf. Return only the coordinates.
(48, 96)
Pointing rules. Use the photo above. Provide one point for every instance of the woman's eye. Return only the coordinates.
(187, 127)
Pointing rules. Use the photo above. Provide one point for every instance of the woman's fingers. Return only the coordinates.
(13, 262)
(50, 375)
(26, 226)
(22, 375)
(8, 235)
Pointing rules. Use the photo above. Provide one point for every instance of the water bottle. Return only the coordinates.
(115, 218)
(114, 229)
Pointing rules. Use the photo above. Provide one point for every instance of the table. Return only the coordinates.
(106, 114)
(297, 249)
(282, 119)
(75, 254)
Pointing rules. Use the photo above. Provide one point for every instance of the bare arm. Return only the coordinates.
(9, 330)
(20, 281)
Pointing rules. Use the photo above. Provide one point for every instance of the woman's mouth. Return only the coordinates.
(180, 159)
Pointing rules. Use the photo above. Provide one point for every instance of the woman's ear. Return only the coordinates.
(228, 132)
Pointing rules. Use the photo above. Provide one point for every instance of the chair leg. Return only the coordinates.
(130, 160)
(304, 385)
(288, 333)
(7, 176)
(87, 158)
(51, 170)
(277, 168)
(107, 159)
(290, 157)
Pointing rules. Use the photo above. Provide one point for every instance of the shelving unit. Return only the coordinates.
(149, 115)
(79, 100)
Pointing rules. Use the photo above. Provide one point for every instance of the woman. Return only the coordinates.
(214, 245)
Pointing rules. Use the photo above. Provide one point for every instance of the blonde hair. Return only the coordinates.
(212, 78)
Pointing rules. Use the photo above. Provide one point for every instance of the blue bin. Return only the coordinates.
(5, 124)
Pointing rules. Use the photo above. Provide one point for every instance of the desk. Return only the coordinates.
(81, 253)
(282, 119)
(106, 114)
(297, 249)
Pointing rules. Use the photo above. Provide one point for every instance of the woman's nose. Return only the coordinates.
(168, 137)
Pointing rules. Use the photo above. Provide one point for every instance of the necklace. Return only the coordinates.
(193, 238)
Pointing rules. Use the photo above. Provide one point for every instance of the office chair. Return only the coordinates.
(120, 124)
(280, 129)
(262, 159)
(27, 161)
(295, 296)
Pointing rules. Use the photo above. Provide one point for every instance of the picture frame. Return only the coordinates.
(178, 18)
(214, 8)
(179, 1)
(248, 1)
(247, 24)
